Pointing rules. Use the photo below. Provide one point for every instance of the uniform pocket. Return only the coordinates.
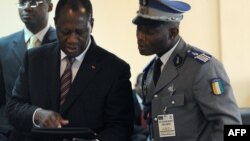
(175, 100)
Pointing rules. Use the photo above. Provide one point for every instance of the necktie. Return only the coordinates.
(157, 70)
(33, 42)
(66, 80)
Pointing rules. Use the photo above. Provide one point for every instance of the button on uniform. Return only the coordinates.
(173, 102)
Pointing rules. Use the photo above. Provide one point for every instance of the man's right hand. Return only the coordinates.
(49, 119)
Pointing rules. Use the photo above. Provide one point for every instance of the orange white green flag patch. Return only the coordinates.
(217, 86)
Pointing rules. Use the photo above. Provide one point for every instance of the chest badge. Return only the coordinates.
(171, 89)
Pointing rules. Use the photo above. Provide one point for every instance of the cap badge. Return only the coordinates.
(143, 10)
(144, 2)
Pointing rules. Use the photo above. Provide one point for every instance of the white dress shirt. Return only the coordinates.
(75, 67)
(40, 35)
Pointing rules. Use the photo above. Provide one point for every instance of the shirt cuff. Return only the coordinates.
(33, 117)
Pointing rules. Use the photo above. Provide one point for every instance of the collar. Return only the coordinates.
(79, 57)
(40, 35)
(164, 58)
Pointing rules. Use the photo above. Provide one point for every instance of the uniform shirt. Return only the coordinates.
(76, 64)
(164, 58)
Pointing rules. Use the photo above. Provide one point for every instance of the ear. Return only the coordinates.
(50, 7)
(55, 21)
(91, 24)
(173, 32)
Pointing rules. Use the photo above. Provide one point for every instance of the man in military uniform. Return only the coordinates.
(187, 93)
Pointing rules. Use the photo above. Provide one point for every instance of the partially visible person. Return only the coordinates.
(140, 124)
(73, 82)
(34, 14)
(188, 95)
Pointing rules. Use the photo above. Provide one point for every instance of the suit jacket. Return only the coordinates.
(138, 129)
(137, 110)
(184, 90)
(100, 95)
(12, 49)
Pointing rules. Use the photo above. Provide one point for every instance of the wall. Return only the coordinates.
(235, 31)
(220, 27)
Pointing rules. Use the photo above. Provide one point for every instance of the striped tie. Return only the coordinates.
(66, 80)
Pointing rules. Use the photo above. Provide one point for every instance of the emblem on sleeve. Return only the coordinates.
(217, 86)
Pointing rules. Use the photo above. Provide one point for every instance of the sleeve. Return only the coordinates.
(119, 109)
(216, 98)
(19, 108)
(2, 83)
(2, 87)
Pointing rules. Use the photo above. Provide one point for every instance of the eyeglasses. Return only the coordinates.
(31, 3)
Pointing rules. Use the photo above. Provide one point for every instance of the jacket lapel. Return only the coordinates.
(86, 73)
(19, 46)
(50, 36)
(170, 70)
(53, 79)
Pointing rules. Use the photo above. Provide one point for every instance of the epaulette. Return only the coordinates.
(200, 56)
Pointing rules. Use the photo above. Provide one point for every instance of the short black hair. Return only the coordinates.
(75, 4)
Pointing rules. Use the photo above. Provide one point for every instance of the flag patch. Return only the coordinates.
(217, 86)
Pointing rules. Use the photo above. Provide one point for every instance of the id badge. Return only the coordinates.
(166, 125)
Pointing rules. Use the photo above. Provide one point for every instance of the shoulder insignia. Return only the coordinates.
(178, 60)
(200, 56)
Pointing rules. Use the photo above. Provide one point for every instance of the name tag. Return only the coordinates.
(166, 125)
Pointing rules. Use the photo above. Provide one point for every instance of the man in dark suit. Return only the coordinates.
(98, 95)
(140, 124)
(13, 47)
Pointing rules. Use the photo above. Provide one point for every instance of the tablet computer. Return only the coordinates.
(65, 132)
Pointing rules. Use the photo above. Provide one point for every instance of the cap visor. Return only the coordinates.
(143, 21)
